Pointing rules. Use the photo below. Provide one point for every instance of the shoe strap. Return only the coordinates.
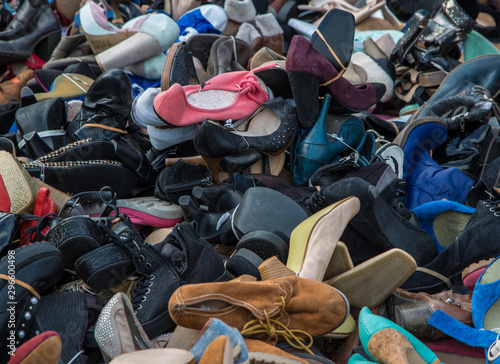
(22, 284)
(344, 68)
(435, 274)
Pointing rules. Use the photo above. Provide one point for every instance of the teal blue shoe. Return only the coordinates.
(358, 359)
(386, 342)
(316, 149)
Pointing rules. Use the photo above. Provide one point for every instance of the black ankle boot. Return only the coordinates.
(477, 241)
(182, 258)
(34, 29)
(377, 227)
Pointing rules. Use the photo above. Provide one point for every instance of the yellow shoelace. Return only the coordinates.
(269, 328)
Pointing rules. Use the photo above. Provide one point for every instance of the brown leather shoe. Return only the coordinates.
(277, 307)
(412, 310)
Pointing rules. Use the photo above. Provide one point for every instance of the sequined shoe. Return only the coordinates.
(118, 331)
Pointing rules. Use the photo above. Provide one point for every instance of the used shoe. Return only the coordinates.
(377, 227)
(274, 307)
(233, 95)
(182, 258)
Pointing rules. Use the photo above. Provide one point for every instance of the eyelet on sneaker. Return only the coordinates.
(144, 299)
(497, 214)
(150, 284)
(141, 258)
(151, 278)
(148, 265)
(147, 291)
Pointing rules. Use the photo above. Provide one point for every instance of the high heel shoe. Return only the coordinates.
(316, 149)
(386, 342)
(308, 69)
(269, 130)
(118, 331)
(313, 241)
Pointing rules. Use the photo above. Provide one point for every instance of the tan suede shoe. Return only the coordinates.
(276, 308)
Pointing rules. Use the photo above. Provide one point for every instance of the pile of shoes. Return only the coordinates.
(249, 181)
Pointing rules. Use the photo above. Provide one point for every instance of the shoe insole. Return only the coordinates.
(212, 99)
(337, 29)
(263, 122)
(448, 225)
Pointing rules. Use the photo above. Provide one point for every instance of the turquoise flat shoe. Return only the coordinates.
(358, 359)
(443, 220)
(385, 342)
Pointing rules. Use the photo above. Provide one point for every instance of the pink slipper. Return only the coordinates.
(232, 95)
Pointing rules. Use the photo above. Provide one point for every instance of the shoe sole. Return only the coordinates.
(167, 68)
(371, 282)
(20, 185)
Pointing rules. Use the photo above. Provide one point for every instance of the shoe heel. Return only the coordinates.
(413, 317)
(305, 89)
(47, 45)
(213, 164)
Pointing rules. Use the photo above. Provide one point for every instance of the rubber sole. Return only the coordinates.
(371, 282)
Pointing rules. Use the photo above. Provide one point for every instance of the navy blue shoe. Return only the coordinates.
(426, 180)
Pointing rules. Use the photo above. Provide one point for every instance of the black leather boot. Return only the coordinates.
(35, 29)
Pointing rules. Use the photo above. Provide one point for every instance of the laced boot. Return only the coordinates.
(182, 258)
(377, 227)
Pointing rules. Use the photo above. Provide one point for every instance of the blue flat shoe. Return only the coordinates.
(385, 342)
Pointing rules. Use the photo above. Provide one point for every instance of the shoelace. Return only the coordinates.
(493, 207)
(318, 198)
(269, 328)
